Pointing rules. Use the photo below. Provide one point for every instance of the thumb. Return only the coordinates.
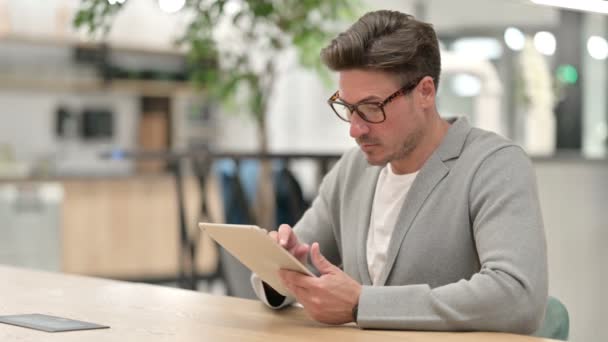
(319, 261)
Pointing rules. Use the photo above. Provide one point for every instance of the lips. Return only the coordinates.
(367, 147)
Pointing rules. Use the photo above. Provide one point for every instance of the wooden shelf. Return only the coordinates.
(72, 42)
(139, 87)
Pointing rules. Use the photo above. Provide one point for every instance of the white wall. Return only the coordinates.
(299, 119)
(573, 198)
(594, 76)
(141, 24)
(449, 15)
(27, 124)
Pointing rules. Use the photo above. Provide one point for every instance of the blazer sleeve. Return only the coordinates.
(320, 223)
(268, 295)
(316, 225)
(509, 292)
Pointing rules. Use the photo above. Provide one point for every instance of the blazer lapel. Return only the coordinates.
(433, 171)
(430, 175)
(368, 188)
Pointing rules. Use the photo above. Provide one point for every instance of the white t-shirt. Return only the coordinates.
(389, 196)
(391, 190)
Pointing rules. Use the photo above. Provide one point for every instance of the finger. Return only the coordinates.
(298, 279)
(319, 261)
(289, 279)
(285, 234)
(301, 294)
(274, 236)
(301, 252)
(287, 276)
(299, 247)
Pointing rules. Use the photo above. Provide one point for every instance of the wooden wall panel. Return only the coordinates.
(127, 227)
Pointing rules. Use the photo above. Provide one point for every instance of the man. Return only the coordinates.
(429, 224)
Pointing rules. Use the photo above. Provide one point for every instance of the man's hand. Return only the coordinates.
(288, 240)
(329, 298)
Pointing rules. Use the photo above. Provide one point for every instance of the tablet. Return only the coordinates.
(49, 323)
(253, 247)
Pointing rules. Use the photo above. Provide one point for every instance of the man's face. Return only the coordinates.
(404, 127)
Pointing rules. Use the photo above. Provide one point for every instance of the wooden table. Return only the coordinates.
(141, 312)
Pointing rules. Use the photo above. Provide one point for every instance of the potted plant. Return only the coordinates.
(233, 47)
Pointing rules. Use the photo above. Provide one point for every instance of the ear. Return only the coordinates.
(427, 92)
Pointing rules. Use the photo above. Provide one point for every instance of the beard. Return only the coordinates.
(404, 150)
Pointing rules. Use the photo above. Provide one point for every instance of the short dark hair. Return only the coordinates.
(387, 41)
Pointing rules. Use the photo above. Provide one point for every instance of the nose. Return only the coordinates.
(358, 126)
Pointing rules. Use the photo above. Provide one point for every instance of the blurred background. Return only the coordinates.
(109, 154)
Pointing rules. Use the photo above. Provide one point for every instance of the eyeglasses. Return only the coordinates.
(370, 111)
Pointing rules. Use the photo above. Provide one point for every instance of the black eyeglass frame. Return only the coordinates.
(335, 98)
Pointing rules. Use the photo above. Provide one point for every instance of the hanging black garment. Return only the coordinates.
(290, 202)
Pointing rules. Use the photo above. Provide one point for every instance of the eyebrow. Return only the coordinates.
(365, 99)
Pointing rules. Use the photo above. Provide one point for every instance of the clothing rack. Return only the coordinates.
(202, 160)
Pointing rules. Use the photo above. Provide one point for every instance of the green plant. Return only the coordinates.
(233, 45)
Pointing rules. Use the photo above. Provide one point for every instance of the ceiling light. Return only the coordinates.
(597, 47)
(514, 38)
(545, 43)
(171, 6)
(478, 47)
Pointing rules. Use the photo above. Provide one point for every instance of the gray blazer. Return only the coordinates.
(468, 251)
